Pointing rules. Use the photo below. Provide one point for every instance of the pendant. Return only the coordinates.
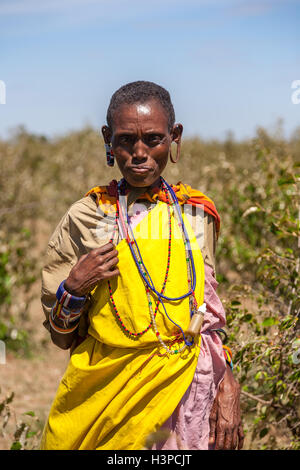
(196, 322)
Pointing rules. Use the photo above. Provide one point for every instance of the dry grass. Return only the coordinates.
(40, 179)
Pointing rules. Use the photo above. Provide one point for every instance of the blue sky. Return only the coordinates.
(228, 64)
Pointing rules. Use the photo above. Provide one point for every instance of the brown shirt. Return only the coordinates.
(83, 228)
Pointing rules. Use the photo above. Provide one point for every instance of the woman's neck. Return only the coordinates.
(155, 184)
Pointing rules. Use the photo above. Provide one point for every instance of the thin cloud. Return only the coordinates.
(257, 8)
(70, 14)
(20, 7)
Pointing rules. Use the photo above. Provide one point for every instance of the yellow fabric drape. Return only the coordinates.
(118, 389)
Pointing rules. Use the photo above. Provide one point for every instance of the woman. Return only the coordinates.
(127, 288)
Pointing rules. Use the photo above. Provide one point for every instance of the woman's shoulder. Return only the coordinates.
(78, 209)
(85, 205)
(77, 222)
(88, 204)
(188, 195)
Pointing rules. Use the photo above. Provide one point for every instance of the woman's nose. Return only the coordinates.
(140, 149)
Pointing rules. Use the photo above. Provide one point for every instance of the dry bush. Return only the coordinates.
(255, 185)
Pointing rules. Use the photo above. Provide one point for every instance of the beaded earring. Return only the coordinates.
(109, 155)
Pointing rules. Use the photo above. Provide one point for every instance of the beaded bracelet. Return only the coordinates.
(226, 350)
(222, 334)
(65, 330)
(68, 300)
(228, 356)
(68, 309)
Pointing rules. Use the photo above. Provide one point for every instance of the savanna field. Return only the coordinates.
(255, 185)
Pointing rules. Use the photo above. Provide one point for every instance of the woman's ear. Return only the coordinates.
(106, 132)
(177, 133)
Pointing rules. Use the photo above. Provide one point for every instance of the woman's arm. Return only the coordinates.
(226, 430)
(72, 241)
(99, 264)
(63, 341)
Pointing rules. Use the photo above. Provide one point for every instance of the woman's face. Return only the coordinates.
(141, 141)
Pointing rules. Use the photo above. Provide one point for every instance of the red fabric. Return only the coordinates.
(184, 193)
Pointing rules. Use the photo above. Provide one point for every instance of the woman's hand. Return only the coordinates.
(91, 268)
(226, 430)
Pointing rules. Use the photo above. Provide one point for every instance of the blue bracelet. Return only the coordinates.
(69, 301)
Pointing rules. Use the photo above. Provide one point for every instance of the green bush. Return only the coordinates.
(255, 185)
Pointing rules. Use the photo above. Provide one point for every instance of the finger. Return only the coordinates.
(113, 273)
(109, 246)
(81, 259)
(220, 440)
(228, 441)
(212, 433)
(111, 263)
(102, 250)
(211, 439)
(212, 426)
(234, 439)
(241, 437)
(108, 256)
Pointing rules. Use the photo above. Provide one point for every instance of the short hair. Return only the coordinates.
(141, 92)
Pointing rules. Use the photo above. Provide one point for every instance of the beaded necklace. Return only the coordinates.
(130, 333)
(149, 286)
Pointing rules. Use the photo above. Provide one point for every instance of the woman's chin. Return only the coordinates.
(140, 180)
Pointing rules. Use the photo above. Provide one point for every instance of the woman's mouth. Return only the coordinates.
(140, 169)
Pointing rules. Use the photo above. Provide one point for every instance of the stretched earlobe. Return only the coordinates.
(106, 133)
(177, 133)
(177, 152)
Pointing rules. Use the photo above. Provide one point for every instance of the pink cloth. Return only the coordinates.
(138, 213)
(188, 426)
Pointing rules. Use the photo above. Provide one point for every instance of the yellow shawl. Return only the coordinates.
(118, 389)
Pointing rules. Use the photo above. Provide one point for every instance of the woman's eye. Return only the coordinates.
(126, 139)
(153, 139)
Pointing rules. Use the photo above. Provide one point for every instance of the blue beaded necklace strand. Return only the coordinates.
(149, 285)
